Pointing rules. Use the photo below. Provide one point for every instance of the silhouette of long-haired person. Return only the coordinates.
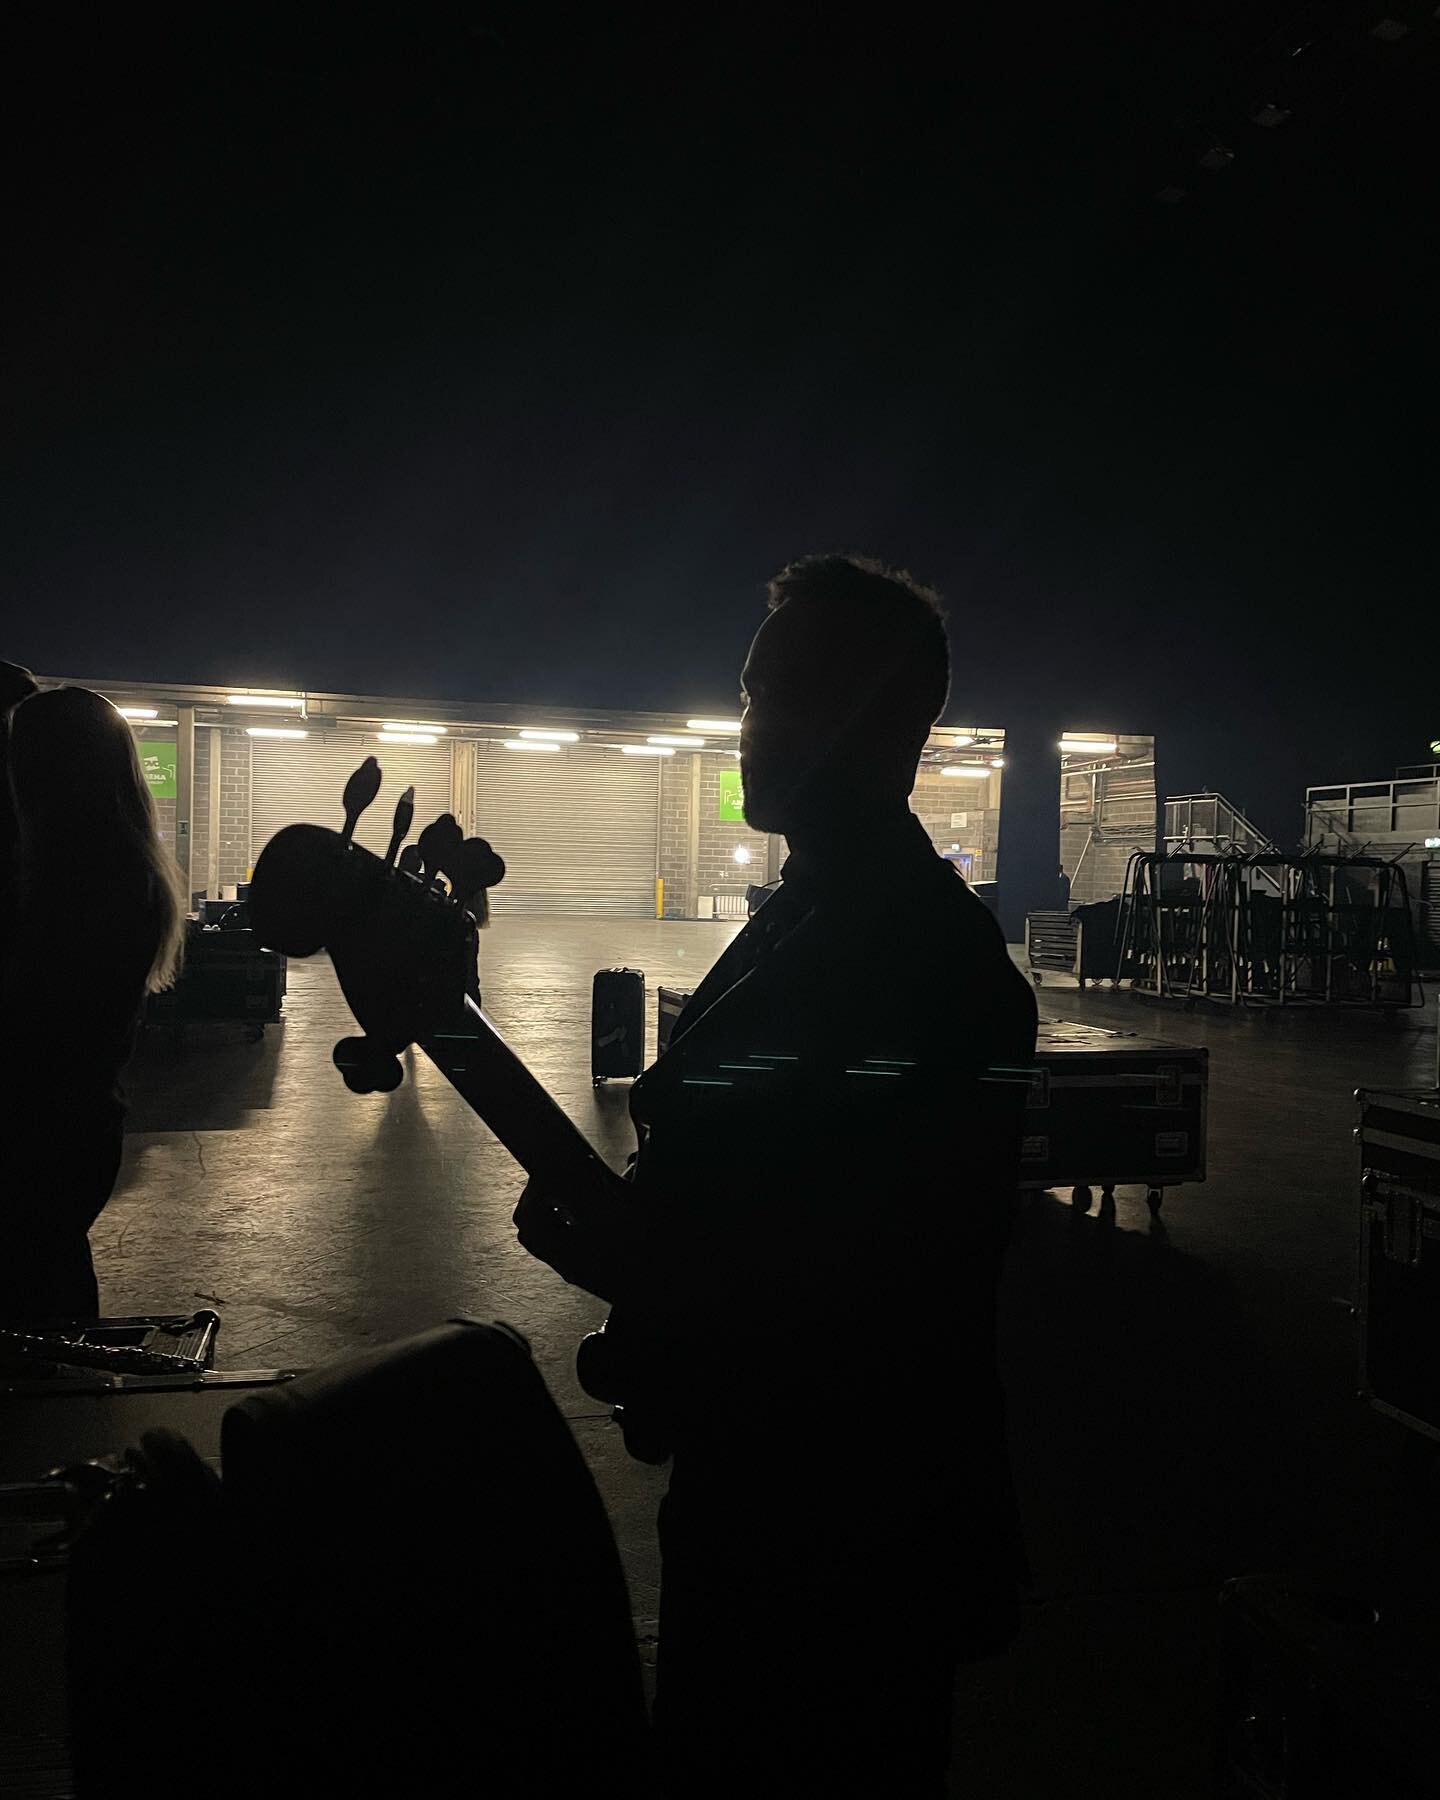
(95, 922)
(803, 1264)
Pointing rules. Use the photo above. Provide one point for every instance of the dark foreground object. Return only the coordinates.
(1324, 1698)
(410, 1548)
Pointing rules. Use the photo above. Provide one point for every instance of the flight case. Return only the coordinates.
(1399, 1312)
(1108, 1109)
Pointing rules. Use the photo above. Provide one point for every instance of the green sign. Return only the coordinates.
(158, 762)
(732, 798)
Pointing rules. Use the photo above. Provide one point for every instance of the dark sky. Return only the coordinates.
(483, 353)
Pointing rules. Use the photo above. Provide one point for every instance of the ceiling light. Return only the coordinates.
(1088, 746)
(679, 743)
(156, 725)
(740, 854)
(526, 744)
(551, 737)
(413, 725)
(137, 712)
(1269, 115)
(292, 701)
(997, 762)
(953, 741)
(726, 725)
(642, 749)
(406, 737)
(1216, 158)
(958, 769)
(280, 731)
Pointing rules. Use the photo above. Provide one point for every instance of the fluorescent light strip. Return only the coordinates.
(156, 724)
(137, 712)
(544, 736)
(725, 725)
(275, 731)
(960, 769)
(413, 725)
(529, 744)
(1080, 746)
(406, 737)
(293, 701)
(642, 749)
(679, 743)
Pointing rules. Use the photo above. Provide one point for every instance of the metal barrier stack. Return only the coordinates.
(1269, 929)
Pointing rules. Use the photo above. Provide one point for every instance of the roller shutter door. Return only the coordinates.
(577, 830)
(302, 780)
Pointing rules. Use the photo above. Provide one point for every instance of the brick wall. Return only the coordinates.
(1104, 820)
(234, 805)
(938, 798)
(675, 779)
(716, 872)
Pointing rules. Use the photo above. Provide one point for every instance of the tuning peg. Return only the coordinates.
(404, 816)
(366, 1067)
(360, 790)
(438, 843)
(474, 865)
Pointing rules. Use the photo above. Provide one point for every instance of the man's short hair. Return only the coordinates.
(897, 625)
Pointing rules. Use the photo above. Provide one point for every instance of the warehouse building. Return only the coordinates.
(630, 814)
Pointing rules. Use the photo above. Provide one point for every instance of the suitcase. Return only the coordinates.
(1107, 1109)
(670, 1003)
(1399, 1313)
(617, 1023)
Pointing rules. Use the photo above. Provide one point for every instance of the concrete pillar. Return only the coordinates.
(212, 837)
(692, 859)
(463, 802)
(774, 856)
(1029, 849)
(184, 792)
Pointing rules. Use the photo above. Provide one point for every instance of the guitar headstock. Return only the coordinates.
(404, 945)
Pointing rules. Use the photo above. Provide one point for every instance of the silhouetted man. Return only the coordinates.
(804, 1265)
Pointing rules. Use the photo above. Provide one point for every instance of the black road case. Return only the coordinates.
(670, 1003)
(226, 975)
(1399, 1313)
(617, 1023)
(1107, 1109)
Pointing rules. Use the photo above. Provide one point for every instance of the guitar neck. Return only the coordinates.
(493, 1082)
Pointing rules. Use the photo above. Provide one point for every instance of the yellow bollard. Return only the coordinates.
(659, 896)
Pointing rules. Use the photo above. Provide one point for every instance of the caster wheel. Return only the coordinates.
(1155, 1199)
(1080, 1199)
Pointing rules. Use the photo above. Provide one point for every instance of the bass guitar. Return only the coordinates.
(404, 945)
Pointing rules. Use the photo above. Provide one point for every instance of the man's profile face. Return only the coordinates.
(790, 683)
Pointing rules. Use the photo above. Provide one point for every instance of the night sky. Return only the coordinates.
(482, 353)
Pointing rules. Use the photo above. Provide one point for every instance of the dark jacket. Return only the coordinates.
(828, 1159)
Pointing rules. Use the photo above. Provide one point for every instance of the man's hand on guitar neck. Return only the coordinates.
(593, 1239)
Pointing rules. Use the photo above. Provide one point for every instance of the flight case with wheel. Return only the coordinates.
(1399, 1138)
(617, 1023)
(1108, 1109)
